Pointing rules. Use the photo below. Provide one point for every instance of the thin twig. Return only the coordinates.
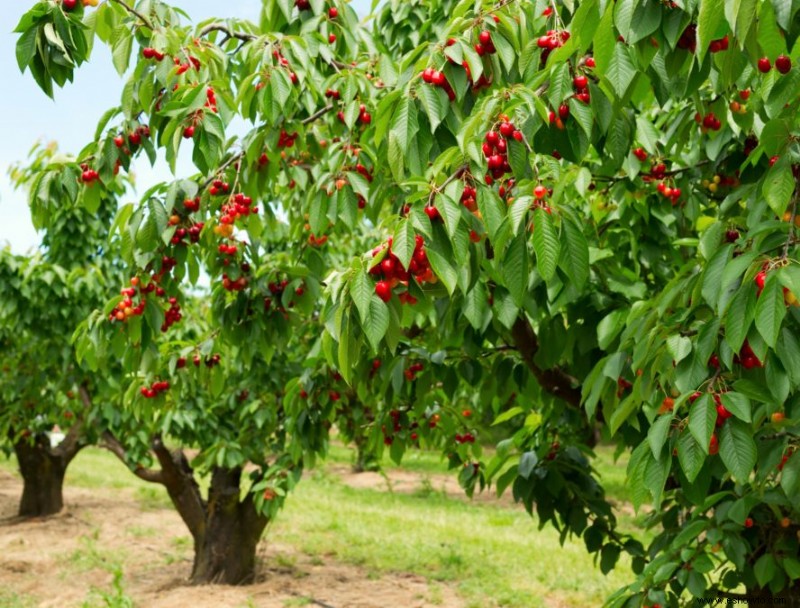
(221, 27)
(453, 176)
(791, 226)
(133, 11)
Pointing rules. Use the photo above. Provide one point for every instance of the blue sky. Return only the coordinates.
(29, 115)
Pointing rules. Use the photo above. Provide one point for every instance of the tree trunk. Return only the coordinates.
(365, 460)
(226, 528)
(43, 477)
(225, 550)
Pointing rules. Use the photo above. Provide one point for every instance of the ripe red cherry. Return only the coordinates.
(783, 64)
(764, 65)
(590, 62)
(748, 523)
(540, 191)
(761, 277)
(333, 13)
(438, 78)
(506, 129)
(332, 38)
(188, 132)
(119, 141)
(563, 111)
(427, 75)
(580, 82)
(383, 290)
(69, 4)
(485, 37)
(492, 138)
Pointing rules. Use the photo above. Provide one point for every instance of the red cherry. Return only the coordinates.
(383, 290)
(69, 4)
(783, 64)
(748, 523)
(333, 12)
(332, 38)
(764, 65)
(540, 191)
(590, 62)
(563, 111)
(506, 129)
(492, 138)
(485, 37)
(713, 445)
(580, 82)
(188, 132)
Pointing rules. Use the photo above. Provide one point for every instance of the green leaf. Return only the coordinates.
(712, 12)
(492, 210)
(404, 242)
(508, 415)
(405, 124)
(737, 449)
(376, 321)
(610, 326)
(657, 434)
(778, 187)
(765, 569)
(790, 477)
(702, 416)
(434, 101)
(121, 52)
(362, 290)
(770, 310)
(690, 456)
(515, 269)
(621, 71)
(545, 243)
(740, 316)
(575, 254)
(738, 405)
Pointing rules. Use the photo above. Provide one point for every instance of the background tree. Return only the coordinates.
(44, 298)
(599, 197)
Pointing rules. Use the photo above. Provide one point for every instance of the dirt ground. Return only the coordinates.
(67, 561)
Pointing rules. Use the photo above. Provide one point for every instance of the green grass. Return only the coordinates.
(492, 554)
(9, 599)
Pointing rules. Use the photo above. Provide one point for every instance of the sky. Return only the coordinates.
(27, 115)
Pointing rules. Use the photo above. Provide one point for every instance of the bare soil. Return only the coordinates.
(66, 561)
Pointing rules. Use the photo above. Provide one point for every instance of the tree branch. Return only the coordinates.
(112, 444)
(221, 27)
(554, 381)
(133, 11)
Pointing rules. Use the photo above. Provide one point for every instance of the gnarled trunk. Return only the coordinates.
(225, 549)
(43, 468)
(43, 478)
(226, 528)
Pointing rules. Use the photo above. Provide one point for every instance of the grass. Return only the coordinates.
(492, 554)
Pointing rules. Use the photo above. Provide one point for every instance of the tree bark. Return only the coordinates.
(226, 551)
(43, 468)
(42, 476)
(226, 528)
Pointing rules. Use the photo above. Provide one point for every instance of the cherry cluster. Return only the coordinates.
(125, 308)
(669, 192)
(332, 94)
(193, 232)
(209, 362)
(782, 63)
(315, 241)
(155, 389)
(88, 175)
(397, 426)
(640, 153)
(709, 122)
(234, 285)
(485, 46)
(184, 67)
(465, 438)
(211, 99)
(276, 289)
(411, 372)
(391, 271)
(192, 204)
(438, 79)
(747, 358)
(283, 63)
(286, 140)
(151, 53)
(495, 149)
(551, 40)
(172, 315)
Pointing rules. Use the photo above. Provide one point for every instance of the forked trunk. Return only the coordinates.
(43, 478)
